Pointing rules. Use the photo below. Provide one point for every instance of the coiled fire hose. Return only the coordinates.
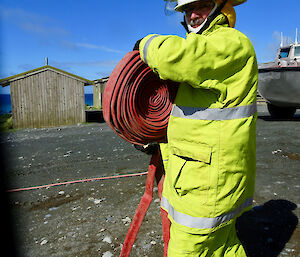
(137, 106)
(136, 103)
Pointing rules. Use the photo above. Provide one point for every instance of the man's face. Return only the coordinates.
(197, 12)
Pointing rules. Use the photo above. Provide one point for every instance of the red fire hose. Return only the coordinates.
(137, 105)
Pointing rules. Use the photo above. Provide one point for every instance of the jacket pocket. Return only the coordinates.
(189, 166)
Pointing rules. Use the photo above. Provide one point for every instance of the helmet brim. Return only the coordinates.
(179, 8)
(238, 2)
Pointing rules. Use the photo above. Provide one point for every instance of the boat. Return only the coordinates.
(279, 81)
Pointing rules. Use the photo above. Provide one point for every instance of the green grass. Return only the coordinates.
(88, 107)
(5, 122)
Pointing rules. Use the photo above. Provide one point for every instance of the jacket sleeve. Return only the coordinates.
(198, 58)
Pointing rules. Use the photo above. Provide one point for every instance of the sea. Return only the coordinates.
(5, 103)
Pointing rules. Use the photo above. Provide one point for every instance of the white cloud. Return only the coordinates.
(41, 26)
(103, 63)
(86, 45)
(107, 49)
(272, 48)
(286, 40)
(99, 47)
(47, 30)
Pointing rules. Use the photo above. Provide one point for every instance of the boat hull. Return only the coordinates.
(280, 86)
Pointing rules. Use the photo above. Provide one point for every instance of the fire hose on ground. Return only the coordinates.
(136, 106)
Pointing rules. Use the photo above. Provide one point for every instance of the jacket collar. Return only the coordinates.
(220, 20)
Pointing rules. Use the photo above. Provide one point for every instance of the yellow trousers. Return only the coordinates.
(220, 243)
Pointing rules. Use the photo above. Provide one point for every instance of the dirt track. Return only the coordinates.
(92, 218)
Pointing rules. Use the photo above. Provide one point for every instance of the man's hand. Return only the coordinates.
(137, 45)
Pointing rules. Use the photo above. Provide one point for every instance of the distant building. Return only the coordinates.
(46, 97)
(98, 90)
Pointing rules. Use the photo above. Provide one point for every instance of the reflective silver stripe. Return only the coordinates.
(232, 113)
(202, 223)
(146, 47)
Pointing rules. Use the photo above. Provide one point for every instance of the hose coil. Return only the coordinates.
(137, 103)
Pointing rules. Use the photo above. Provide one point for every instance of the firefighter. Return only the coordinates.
(210, 158)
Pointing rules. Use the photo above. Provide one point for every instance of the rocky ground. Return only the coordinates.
(92, 218)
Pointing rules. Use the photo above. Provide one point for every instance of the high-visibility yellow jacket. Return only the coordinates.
(210, 157)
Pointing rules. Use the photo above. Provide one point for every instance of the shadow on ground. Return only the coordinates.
(296, 118)
(94, 116)
(266, 229)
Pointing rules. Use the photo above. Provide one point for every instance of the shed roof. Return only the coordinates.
(96, 81)
(6, 81)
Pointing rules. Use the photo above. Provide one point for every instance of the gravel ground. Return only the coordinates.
(92, 218)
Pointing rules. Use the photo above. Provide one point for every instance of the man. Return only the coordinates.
(210, 155)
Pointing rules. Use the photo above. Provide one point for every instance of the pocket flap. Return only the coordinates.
(198, 152)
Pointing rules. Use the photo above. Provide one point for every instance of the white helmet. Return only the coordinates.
(182, 3)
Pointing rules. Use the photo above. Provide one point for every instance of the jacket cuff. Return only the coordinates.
(144, 45)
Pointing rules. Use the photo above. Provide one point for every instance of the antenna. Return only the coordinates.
(281, 44)
(296, 39)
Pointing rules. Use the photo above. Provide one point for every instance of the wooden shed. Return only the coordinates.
(46, 97)
(98, 89)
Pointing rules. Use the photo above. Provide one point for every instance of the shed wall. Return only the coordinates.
(46, 99)
(98, 90)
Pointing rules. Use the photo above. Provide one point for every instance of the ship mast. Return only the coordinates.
(296, 39)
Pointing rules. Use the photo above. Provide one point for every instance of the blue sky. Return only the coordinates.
(89, 37)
